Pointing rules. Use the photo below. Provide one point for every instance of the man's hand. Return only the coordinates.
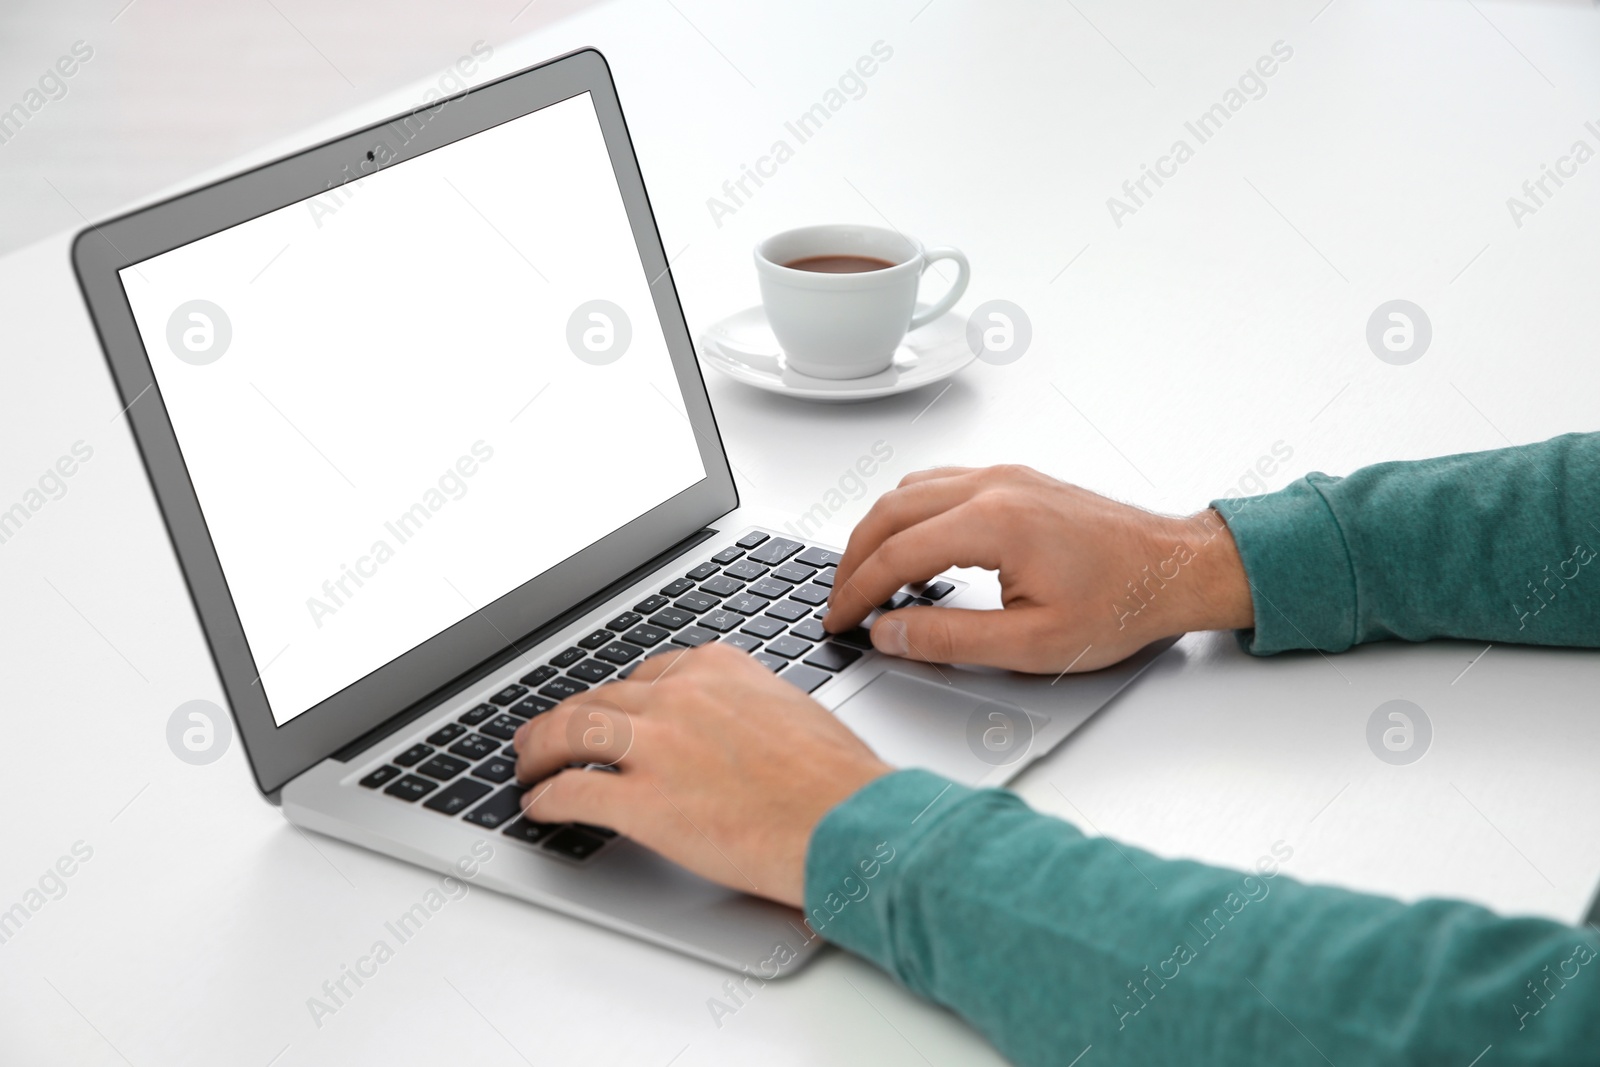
(1085, 581)
(722, 766)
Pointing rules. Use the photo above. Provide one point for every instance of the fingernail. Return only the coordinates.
(889, 637)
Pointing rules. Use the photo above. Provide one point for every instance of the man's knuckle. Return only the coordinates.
(1016, 472)
(992, 506)
(930, 640)
(892, 552)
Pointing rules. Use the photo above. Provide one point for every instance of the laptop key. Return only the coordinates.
(649, 604)
(860, 637)
(938, 590)
(672, 618)
(694, 637)
(502, 727)
(721, 621)
(596, 639)
(745, 604)
(415, 754)
(721, 585)
(496, 769)
(574, 843)
(567, 658)
(411, 788)
(383, 775)
(794, 572)
(477, 714)
(498, 808)
(832, 657)
(751, 539)
(591, 828)
(646, 635)
(762, 626)
(788, 646)
(894, 603)
(771, 663)
(745, 571)
(677, 587)
(528, 707)
(702, 572)
(728, 555)
(696, 602)
(743, 642)
(510, 753)
(509, 695)
(617, 652)
(475, 747)
(539, 675)
(625, 620)
(443, 767)
(826, 577)
(811, 594)
(775, 551)
(592, 670)
(524, 829)
(819, 557)
(446, 733)
(807, 678)
(562, 688)
(458, 797)
(788, 611)
(809, 629)
(771, 588)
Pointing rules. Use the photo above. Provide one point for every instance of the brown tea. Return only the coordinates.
(838, 264)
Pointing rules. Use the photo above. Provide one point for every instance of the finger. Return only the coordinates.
(897, 510)
(960, 537)
(582, 796)
(935, 472)
(992, 638)
(592, 727)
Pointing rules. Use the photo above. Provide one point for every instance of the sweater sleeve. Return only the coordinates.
(1494, 546)
(1058, 946)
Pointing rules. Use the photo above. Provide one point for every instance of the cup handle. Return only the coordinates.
(950, 298)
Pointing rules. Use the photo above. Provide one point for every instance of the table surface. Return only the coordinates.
(1173, 348)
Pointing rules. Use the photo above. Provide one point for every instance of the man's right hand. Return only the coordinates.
(1085, 581)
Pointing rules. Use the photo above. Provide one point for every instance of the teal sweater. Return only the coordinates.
(1050, 942)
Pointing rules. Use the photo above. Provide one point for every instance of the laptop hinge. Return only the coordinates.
(518, 648)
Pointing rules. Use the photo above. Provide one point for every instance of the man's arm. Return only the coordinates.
(1056, 945)
(1489, 546)
(1492, 546)
(1019, 922)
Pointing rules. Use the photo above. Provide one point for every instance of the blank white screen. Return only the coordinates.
(399, 350)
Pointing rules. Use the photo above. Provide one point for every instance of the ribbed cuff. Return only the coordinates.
(1302, 582)
(860, 852)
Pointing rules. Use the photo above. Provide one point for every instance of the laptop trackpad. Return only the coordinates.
(950, 731)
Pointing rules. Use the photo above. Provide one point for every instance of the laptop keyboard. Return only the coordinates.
(762, 594)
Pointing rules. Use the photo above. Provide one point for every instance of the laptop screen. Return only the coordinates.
(403, 398)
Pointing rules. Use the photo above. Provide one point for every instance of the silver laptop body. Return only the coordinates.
(424, 419)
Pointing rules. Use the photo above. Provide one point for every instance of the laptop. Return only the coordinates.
(425, 423)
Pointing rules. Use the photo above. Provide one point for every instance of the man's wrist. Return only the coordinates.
(1213, 593)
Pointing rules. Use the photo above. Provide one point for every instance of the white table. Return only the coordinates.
(1226, 315)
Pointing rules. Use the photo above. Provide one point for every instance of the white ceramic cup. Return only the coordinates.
(847, 325)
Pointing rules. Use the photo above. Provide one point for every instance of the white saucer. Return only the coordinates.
(742, 347)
